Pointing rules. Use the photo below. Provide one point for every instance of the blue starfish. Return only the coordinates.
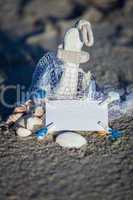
(114, 134)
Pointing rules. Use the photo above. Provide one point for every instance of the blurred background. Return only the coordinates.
(29, 28)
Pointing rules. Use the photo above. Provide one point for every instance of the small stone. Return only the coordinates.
(48, 37)
(110, 78)
(22, 132)
(71, 140)
(128, 7)
(93, 15)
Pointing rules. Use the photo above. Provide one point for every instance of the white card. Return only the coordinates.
(78, 115)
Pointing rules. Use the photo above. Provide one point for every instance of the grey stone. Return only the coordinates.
(47, 39)
(103, 3)
(128, 7)
(24, 14)
(71, 140)
(93, 15)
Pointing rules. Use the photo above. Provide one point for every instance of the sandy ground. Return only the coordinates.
(102, 170)
(32, 171)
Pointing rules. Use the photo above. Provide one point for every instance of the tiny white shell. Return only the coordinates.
(71, 140)
(39, 112)
(33, 123)
(22, 132)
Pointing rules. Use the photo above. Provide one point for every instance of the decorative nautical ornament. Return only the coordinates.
(70, 91)
(59, 74)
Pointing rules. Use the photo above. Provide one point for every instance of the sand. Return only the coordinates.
(40, 171)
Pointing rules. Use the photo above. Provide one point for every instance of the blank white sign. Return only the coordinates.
(78, 115)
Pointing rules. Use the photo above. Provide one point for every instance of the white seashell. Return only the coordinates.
(22, 132)
(39, 111)
(13, 118)
(71, 140)
(20, 109)
(33, 123)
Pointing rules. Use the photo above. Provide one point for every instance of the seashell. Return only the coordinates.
(71, 140)
(31, 123)
(34, 123)
(39, 111)
(102, 133)
(18, 112)
(22, 132)
(13, 118)
(20, 109)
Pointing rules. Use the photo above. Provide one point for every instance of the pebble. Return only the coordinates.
(93, 15)
(71, 140)
(22, 132)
